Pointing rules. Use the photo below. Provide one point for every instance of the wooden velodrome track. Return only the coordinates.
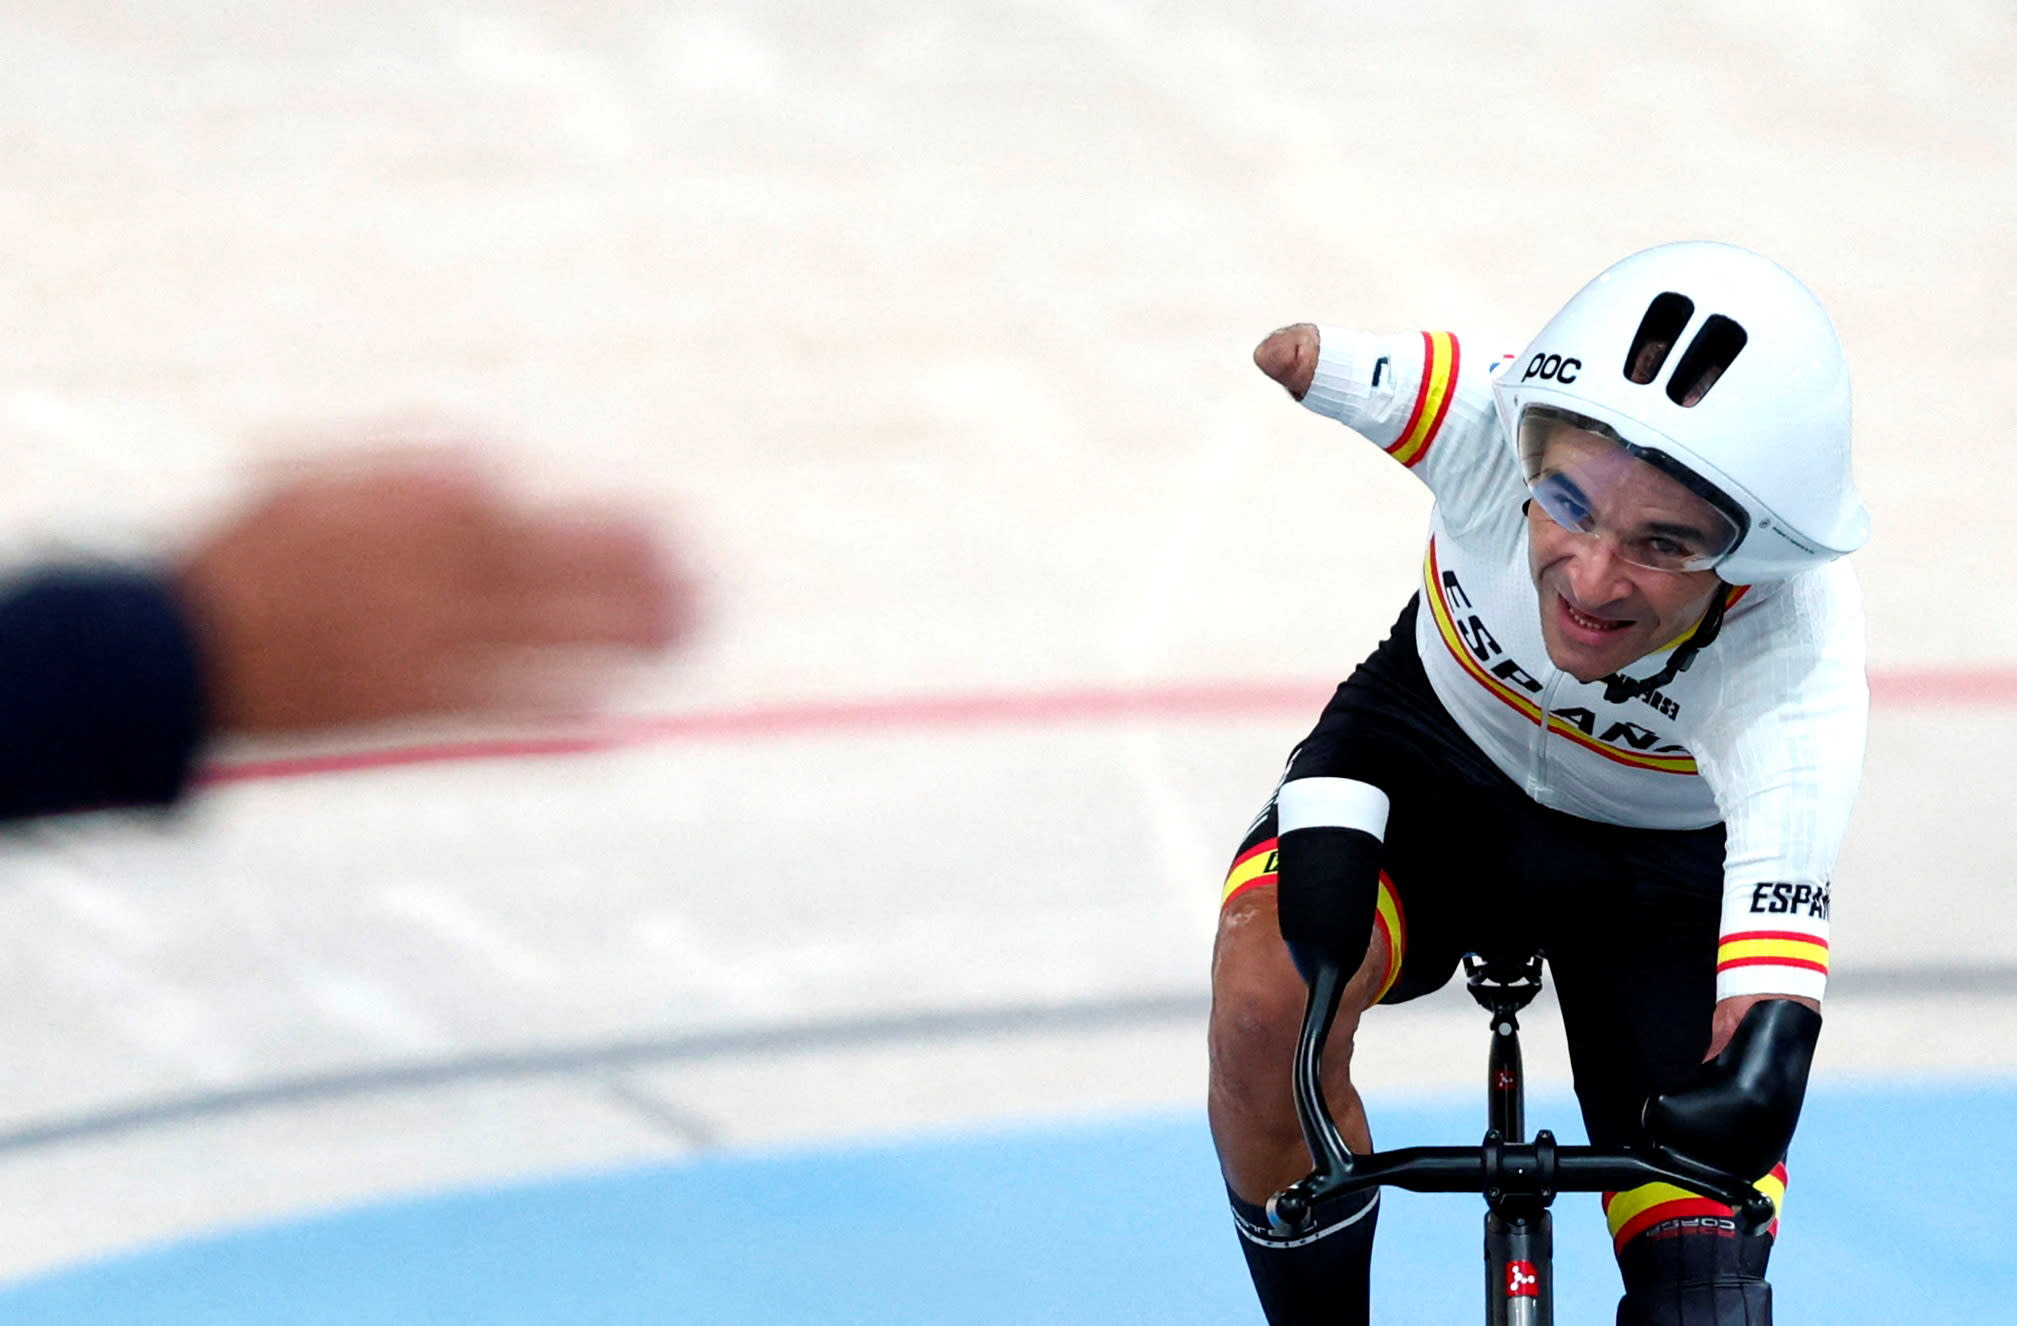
(926, 327)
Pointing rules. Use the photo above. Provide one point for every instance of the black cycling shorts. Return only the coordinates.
(1628, 918)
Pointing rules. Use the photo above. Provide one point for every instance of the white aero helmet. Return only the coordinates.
(1720, 368)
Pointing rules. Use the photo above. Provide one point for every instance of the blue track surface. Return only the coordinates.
(1900, 1211)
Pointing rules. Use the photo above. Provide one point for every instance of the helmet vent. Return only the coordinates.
(1713, 350)
(1665, 319)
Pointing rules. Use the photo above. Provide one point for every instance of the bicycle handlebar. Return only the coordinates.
(1503, 1170)
(1538, 1169)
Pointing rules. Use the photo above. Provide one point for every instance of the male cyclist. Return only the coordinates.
(1622, 722)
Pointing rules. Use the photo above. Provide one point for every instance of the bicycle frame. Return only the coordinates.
(1519, 1179)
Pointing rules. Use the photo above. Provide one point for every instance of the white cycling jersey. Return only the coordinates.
(1765, 731)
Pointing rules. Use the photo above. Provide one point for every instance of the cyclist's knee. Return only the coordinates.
(1258, 1001)
(1257, 1004)
(1253, 1026)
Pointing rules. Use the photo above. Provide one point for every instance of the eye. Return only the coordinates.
(1663, 552)
(1564, 502)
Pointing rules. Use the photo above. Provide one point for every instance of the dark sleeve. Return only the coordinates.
(101, 700)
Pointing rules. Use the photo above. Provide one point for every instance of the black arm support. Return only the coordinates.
(1326, 895)
(1738, 1114)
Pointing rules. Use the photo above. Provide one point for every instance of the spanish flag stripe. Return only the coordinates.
(1253, 869)
(1235, 890)
(1401, 444)
(1768, 946)
(1390, 898)
(1674, 764)
(1414, 441)
(1432, 398)
(1451, 369)
(1773, 1185)
(1808, 964)
(1797, 936)
(1387, 917)
(1622, 1206)
(1631, 1212)
(1690, 1206)
(1432, 575)
(1260, 849)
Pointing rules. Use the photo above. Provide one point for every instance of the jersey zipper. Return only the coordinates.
(1538, 786)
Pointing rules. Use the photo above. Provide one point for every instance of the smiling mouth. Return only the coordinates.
(1589, 623)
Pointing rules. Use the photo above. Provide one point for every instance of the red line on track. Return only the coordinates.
(1915, 688)
(1954, 688)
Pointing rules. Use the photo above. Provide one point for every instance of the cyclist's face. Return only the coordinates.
(1600, 611)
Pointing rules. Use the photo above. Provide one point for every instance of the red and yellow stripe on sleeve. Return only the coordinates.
(1257, 867)
(1636, 1210)
(1773, 948)
(1440, 360)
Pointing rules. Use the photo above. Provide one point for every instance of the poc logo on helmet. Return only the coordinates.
(1547, 367)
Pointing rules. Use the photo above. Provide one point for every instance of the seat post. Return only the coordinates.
(1519, 1234)
(1504, 987)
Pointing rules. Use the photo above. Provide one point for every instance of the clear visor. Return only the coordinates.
(1653, 512)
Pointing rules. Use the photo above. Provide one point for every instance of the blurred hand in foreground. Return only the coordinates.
(394, 588)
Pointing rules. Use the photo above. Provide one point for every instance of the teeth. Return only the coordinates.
(1588, 622)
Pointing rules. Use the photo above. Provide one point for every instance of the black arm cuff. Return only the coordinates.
(1327, 892)
(101, 694)
(1740, 1113)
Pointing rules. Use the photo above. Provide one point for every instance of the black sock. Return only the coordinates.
(1318, 1279)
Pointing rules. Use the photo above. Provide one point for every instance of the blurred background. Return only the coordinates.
(926, 327)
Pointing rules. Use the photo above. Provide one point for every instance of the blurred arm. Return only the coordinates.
(386, 590)
(399, 588)
(100, 693)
